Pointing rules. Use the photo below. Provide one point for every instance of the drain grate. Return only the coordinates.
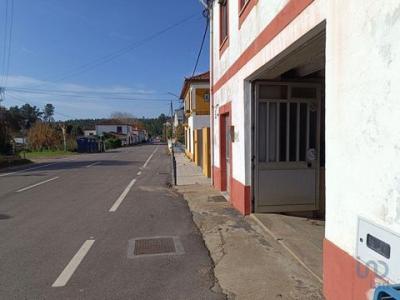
(151, 246)
(154, 246)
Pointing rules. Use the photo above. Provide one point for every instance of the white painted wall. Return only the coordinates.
(237, 89)
(362, 117)
(100, 129)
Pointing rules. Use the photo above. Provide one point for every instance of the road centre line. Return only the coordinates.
(122, 196)
(148, 160)
(69, 270)
(138, 173)
(37, 184)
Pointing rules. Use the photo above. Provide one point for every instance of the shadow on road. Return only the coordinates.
(67, 165)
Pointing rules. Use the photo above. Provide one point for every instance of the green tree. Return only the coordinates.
(48, 112)
(29, 115)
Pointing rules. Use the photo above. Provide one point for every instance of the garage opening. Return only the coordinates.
(288, 147)
(288, 130)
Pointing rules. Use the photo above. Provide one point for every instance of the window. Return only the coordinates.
(119, 129)
(206, 97)
(245, 7)
(242, 4)
(223, 20)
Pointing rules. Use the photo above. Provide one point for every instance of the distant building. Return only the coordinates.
(128, 134)
(196, 96)
(179, 117)
(90, 132)
(124, 132)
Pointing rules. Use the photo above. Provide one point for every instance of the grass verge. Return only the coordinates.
(46, 154)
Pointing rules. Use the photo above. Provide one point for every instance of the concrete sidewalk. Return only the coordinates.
(249, 263)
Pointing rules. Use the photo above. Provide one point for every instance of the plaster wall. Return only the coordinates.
(362, 118)
(237, 89)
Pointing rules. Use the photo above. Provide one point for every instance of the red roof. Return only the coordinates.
(203, 77)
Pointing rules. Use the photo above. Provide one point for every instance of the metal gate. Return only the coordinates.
(287, 118)
(200, 147)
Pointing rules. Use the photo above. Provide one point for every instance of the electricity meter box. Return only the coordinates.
(379, 249)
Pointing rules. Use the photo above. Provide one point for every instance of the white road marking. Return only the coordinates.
(122, 196)
(93, 164)
(148, 160)
(130, 185)
(138, 173)
(69, 270)
(37, 184)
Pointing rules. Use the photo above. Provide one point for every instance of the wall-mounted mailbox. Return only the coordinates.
(232, 133)
(377, 247)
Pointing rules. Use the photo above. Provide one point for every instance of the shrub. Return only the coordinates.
(113, 143)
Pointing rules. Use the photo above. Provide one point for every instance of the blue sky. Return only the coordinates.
(52, 38)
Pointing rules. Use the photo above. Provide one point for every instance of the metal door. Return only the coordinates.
(286, 147)
(200, 147)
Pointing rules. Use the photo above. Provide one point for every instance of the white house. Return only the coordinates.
(179, 117)
(125, 132)
(291, 78)
(89, 132)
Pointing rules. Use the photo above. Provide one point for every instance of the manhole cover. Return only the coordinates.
(154, 246)
(216, 199)
(151, 246)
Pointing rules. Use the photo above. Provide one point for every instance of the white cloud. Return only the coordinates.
(63, 97)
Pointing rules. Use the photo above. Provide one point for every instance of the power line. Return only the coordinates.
(3, 64)
(113, 55)
(17, 89)
(26, 102)
(201, 48)
(9, 43)
(71, 95)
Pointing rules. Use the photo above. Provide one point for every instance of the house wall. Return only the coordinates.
(100, 129)
(362, 113)
(362, 138)
(202, 106)
(268, 30)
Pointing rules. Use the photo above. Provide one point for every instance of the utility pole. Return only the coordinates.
(2, 94)
(63, 128)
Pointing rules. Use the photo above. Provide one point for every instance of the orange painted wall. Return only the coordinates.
(341, 279)
(202, 106)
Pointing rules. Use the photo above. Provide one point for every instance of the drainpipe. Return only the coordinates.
(211, 16)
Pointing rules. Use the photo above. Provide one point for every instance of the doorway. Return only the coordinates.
(287, 146)
(226, 151)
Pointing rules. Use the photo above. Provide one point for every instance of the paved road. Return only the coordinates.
(67, 229)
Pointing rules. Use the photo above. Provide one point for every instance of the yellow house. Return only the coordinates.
(196, 96)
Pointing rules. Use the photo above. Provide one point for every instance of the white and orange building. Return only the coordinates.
(195, 95)
(304, 111)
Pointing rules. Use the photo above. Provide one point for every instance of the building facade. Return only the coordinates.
(125, 132)
(196, 97)
(291, 78)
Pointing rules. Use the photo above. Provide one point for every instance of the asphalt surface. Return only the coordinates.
(59, 239)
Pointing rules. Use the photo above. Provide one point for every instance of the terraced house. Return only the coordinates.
(196, 96)
(304, 110)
